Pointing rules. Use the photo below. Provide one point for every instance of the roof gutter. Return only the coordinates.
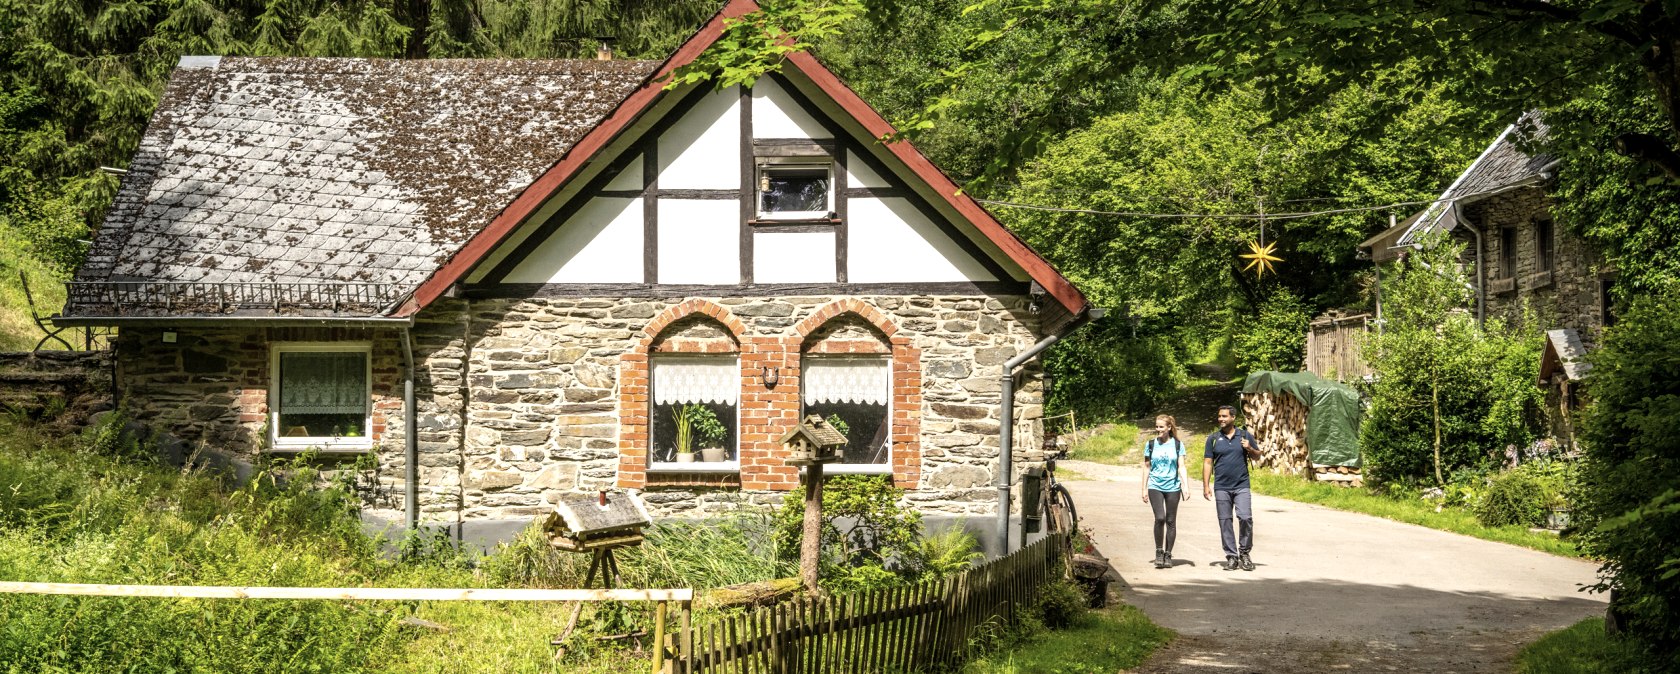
(1006, 417)
(229, 321)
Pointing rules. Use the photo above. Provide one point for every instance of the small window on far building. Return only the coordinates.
(1507, 252)
(320, 396)
(1543, 244)
(795, 191)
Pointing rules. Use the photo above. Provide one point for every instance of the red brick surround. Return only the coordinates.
(766, 412)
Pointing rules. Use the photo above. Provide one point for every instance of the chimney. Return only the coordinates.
(604, 52)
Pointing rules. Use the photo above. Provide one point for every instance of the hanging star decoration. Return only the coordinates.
(1260, 258)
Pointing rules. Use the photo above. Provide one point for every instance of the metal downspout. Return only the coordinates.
(1481, 269)
(1006, 421)
(411, 451)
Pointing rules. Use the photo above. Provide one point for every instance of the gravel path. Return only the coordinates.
(1333, 592)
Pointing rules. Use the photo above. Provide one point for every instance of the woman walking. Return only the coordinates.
(1163, 485)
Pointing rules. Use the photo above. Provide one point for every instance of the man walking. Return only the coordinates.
(1225, 474)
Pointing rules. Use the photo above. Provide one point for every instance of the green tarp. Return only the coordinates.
(1333, 413)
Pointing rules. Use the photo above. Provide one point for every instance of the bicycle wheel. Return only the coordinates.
(1063, 517)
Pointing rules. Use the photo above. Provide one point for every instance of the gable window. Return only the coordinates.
(1507, 252)
(795, 191)
(1543, 244)
(858, 391)
(695, 411)
(320, 396)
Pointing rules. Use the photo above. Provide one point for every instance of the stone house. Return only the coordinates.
(498, 282)
(1520, 255)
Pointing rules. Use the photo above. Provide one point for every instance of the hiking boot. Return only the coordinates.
(1246, 563)
(1230, 564)
(1166, 560)
(1160, 559)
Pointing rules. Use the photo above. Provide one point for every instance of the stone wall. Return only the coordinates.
(522, 400)
(1568, 296)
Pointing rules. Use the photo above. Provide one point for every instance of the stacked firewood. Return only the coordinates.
(1279, 425)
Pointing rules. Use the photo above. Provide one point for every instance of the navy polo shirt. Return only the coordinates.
(1230, 463)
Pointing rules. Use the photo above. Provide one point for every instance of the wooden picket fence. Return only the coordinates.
(906, 629)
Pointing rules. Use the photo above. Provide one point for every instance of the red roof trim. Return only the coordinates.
(1036, 267)
(483, 243)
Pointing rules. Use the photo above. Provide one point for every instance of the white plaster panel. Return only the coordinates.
(601, 243)
(858, 174)
(890, 241)
(700, 241)
(793, 257)
(702, 150)
(776, 115)
(629, 178)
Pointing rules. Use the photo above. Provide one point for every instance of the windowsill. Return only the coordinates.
(817, 219)
(855, 469)
(323, 445)
(696, 467)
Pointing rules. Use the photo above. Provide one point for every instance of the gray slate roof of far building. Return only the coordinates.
(331, 171)
(1503, 164)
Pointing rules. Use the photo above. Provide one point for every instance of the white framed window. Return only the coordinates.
(321, 396)
(695, 413)
(858, 391)
(795, 190)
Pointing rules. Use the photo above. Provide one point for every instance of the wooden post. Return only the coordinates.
(810, 547)
(659, 638)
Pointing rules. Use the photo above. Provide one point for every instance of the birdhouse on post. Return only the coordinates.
(811, 444)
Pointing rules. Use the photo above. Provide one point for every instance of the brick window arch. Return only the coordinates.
(851, 333)
(695, 329)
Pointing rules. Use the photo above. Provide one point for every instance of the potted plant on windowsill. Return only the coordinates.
(695, 421)
(710, 432)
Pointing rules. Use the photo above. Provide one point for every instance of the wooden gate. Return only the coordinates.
(1334, 346)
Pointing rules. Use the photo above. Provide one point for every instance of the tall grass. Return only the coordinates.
(73, 510)
(1119, 446)
(17, 328)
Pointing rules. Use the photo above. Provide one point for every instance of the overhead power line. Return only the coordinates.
(1233, 216)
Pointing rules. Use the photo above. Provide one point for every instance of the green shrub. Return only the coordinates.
(1059, 604)
(1448, 395)
(880, 544)
(1627, 500)
(1276, 339)
(1513, 497)
(1103, 372)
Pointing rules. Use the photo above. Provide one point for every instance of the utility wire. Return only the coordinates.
(1231, 216)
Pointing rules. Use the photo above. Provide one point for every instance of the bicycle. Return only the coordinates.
(1060, 515)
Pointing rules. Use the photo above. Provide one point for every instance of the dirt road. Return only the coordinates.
(1333, 592)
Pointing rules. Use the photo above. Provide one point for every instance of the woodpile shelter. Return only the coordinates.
(1305, 425)
(506, 281)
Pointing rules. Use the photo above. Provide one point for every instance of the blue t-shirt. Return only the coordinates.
(1230, 462)
(1164, 460)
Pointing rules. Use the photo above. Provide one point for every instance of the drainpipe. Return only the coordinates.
(1006, 419)
(411, 446)
(1481, 269)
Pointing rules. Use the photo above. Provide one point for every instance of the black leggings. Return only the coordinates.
(1165, 504)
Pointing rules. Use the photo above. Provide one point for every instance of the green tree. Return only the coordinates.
(1628, 499)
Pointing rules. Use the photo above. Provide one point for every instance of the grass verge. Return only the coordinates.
(1099, 642)
(1419, 512)
(1582, 648)
(17, 329)
(1116, 446)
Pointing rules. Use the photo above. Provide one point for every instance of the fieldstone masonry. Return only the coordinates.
(1569, 295)
(523, 400)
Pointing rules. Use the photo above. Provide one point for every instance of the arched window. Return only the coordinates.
(846, 377)
(694, 396)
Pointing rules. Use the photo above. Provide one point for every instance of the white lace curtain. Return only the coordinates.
(696, 379)
(847, 380)
(323, 383)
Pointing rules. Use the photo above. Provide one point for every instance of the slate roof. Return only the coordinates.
(319, 172)
(1503, 164)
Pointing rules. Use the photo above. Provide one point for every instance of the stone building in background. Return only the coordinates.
(497, 282)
